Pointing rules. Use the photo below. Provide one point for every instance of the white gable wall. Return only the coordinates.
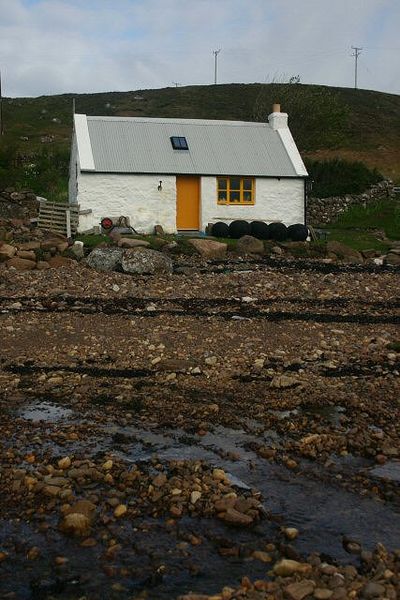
(137, 197)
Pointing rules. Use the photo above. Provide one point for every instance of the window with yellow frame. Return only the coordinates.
(235, 190)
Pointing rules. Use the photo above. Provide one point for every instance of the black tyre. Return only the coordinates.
(277, 232)
(238, 229)
(297, 232)
(220, 229)
(259, 230)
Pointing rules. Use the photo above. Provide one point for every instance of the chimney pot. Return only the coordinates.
(276, 108)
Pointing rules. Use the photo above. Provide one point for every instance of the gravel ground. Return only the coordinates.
(227, 431)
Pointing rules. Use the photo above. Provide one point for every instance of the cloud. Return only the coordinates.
(59, 46)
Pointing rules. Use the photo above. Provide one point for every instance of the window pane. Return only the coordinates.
(247, 197)
(234, 197)
(222, 196)
(235, 183)
(222, 184)
(247, 184)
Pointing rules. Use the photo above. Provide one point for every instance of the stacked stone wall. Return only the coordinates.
(326, 210)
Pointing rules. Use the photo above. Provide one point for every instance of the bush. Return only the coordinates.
(339, 177)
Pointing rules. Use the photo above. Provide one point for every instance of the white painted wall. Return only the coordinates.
(275, 200)
(137, 197)
(133, 196)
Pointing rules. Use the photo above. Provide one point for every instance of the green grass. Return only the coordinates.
(359, 227)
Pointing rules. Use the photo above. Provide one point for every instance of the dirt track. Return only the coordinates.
(283, 375)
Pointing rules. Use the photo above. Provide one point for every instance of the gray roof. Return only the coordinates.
(142, 145)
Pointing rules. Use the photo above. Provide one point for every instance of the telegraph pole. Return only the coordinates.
(1, 110)
(356, 54)
(216, 52)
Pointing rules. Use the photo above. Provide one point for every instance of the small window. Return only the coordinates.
(235, 190)
(179, 143)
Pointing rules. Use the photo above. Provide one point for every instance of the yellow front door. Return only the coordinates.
(187, 202)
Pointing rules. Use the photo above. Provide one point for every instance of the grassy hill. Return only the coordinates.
(326, 122)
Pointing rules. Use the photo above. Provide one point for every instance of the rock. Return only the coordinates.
(64, 463)
(159, 480)
(6, 252)
(344, 252)
(263, 556)
(287, 567)
(219, 475)
(107, 465)
(143, 261)
(277, 250)
(322, 594)
(158, 230)
(78, 518)
(235, 517)
(249, 245)
(391, 258)
(209, 248)
(299, 590)
(195, 496)
(26, 254)
(120, 510)
(56, 262)
(21, 264)
(132, 243)
(211, 361)
(373, 590)
(284, 381)
(291, 533)
(77, 249)
(42, 265)
(105, 259)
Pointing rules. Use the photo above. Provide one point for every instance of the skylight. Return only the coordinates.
(179, 143)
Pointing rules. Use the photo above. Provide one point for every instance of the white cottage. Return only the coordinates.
(185, 173)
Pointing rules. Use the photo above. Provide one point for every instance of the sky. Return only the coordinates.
(78, 46)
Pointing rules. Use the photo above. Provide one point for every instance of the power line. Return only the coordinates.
(356, 54)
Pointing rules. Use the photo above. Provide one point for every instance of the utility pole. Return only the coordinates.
(216, 52)
(176, 83)
(1, 110)
(356, 54)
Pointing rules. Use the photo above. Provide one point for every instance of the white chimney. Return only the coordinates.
(277, 119)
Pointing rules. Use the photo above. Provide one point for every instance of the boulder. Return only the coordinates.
(209, 248)
(42, 265)
(77, 249)
(6, 252)
(105, 259)
(344, 252)
(249, 245)
(132, 243)
(61, 261)
(21, 264)
(27, 254)
(392, 258)
(143, 261)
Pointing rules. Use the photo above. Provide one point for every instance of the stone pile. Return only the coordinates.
(18, 205)
(37, 254)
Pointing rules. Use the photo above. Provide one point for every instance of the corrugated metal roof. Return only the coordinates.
(142, 145)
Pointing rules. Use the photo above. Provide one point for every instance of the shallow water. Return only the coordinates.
(44, 411)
